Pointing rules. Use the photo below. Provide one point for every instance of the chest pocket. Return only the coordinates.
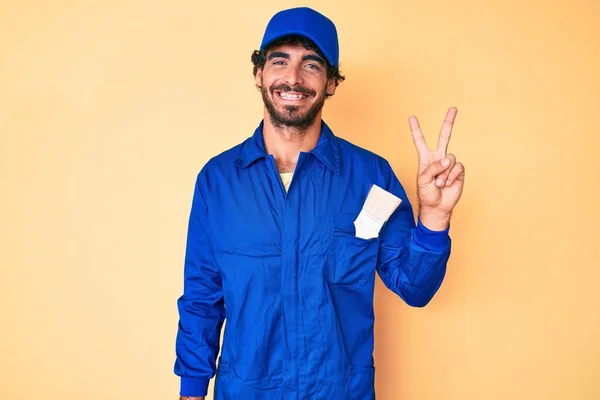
(247, 229)
(350, 260)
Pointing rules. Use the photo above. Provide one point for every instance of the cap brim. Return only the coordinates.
(303, 34)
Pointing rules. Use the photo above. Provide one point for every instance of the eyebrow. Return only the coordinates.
(313, 57)
(278, 54)
(308, 57)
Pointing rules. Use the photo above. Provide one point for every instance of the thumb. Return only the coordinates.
(434, 169)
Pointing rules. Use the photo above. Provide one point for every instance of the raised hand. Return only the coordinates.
(440, 178)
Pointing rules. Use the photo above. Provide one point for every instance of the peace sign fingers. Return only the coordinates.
(446, 131)
(418, 137)
(440, 178)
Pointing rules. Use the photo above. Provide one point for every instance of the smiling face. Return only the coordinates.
(294, 85)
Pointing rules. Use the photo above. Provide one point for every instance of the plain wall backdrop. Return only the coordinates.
(108, 110)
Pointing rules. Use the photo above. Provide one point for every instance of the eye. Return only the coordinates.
(278, 62)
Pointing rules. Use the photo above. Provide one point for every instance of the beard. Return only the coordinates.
(291, 116)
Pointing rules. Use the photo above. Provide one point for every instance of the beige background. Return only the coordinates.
(109, 109)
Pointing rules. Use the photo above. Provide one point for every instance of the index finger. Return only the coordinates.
(417, 135)
(446, 131)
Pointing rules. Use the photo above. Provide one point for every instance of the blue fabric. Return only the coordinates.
(288, 273)
(431, 240)
(304, 21)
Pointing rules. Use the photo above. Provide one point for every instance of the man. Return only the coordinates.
(287, 230)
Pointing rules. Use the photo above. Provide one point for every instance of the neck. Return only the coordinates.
(286, 143)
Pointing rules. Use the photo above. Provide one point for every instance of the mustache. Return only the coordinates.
(299, 89)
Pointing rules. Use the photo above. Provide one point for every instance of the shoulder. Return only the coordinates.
(221, 164)
(352, 155)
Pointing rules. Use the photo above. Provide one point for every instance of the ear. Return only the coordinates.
(330, 87)
(258, 77)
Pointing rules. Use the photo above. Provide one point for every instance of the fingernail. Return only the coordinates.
(439, 182)
(447, 183)
(445, 162)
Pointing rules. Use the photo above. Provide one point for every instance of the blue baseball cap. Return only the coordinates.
(304, 21)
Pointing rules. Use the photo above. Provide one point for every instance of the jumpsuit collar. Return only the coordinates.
(326, 150)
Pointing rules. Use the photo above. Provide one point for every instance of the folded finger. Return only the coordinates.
(443, 177)
(456, 173)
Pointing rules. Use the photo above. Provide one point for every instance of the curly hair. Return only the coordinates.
(259, 57)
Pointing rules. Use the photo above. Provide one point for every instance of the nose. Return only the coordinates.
(293, 76)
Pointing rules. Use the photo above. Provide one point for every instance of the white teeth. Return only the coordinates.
(288, 96)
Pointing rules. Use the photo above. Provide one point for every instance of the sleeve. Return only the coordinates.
(201, 307)
(431, 240)
(412, 259)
